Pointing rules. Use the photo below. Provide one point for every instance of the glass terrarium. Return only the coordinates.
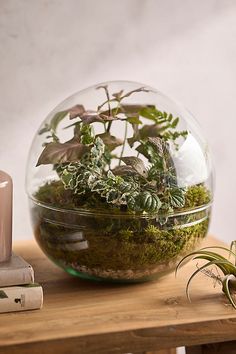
(119, 181)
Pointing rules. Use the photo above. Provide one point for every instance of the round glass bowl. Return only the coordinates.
(120, 183)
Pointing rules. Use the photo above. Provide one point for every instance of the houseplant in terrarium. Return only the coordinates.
(120, 183)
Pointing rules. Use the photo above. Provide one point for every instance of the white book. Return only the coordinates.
(21, 298)
(16, 271)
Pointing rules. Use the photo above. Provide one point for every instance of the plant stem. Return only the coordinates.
(123, 147)
(141, 89)
(108, 127)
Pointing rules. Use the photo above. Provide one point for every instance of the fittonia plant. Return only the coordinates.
(214, 259)
(84, 162)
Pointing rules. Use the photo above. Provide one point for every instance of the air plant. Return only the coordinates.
(227, 267)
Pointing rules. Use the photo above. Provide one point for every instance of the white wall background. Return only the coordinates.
(52, 48)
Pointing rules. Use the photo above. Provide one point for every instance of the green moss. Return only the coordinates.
(196, 196)
(112, 241)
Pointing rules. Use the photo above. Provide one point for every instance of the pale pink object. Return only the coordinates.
(5, 216)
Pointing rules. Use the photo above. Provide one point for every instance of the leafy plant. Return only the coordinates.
(83, 163)
(227, 267)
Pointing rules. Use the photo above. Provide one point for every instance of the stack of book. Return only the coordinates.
(18, 292)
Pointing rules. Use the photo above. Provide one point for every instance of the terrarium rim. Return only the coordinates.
(94, 212)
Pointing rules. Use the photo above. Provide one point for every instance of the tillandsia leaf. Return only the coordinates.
(231, 253)
(210, 255)
(218, 255)
(225, 266)
(197, 271)
(137, 164)
(226, 288)
(110, 140)
(233, 245)
(57, 153)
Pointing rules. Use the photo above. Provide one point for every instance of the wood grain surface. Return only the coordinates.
(85, 317)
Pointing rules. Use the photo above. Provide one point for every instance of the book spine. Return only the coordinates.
(19, 276)
(21, 298)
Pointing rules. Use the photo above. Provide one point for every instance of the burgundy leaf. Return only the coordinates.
(136, 163)
(89, 117)
(110, 140)
(124, 171)
(76, 111)
(118, 95)
(107, 118)
(55, 153)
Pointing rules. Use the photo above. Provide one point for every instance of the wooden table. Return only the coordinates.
(84, 317)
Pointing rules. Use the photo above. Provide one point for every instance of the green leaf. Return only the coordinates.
(57, 153)
(112, 195)
(134, 120)
(84, 133)
(176, 196)
(170, 117)
(149, 202)
(98, 185)
(150, 113)
(175, 123)
(58, 117)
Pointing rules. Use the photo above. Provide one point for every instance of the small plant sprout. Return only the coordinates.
(226, 266)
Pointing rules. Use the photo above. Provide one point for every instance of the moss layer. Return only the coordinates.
(113, 242)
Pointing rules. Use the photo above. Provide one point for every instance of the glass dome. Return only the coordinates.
(119, 181)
